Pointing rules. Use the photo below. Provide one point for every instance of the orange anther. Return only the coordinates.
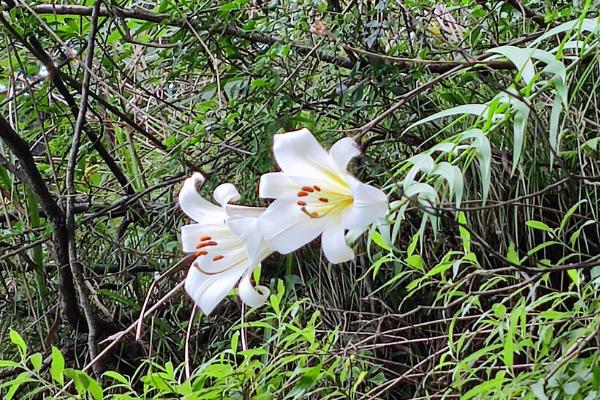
(201, 253)
(318, 189)
(206, 244)
(324, 199)
(308, 189)
(301, 203)
(217, 258)
(205, 238)
(302, 194)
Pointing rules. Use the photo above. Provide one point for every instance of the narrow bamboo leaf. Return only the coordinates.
(553, 130)
(421, 163)
(484, 156)
(519, 130)
(587, 25)
(453, 176)
(520, 57)
(473, 109)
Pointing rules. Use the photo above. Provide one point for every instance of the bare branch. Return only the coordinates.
(29, 175)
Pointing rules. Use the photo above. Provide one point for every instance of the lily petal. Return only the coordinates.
(247, 230)
(194, 205)
(208, 290)
(226, 193)
(192, 234)
(342, 152)
(299, 153)
(334, 245)
(235, 211)
(368, 206)
(275, 185)
(286, 228)
(252, 296)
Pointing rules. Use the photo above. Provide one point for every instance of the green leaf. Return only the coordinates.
(22, 378)
(309, 377)
(499, 310)
(553, 130)
(378, 263)
(519, 130)
(587, 24)
(464, 233)
(509, 340)
(18, 340)
(484, 389)
(116, 376)
(423, 192)
(520, 57)
(8, 364)
(473, 109)
(274, 300)
(571, 388)
(512, 255)
(376, 237)
(574, 275)
(591, 146)
(235, 338)
(36, 361)
(453, 176)
(415, 261)
(421, 163)
(541, 246)
(484, 155)
(217, 371)
(575, 235)
(538, 390)
(95, 389)
(539, 225)
(57, 366)
(85, 383)
(565, 219)
(553, 315)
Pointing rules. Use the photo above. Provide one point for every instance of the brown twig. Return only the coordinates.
(436, 66)
(116, 338)
(30, 176)
(84, 300)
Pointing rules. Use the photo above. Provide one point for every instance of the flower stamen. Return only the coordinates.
(206, 244)
(317, 207)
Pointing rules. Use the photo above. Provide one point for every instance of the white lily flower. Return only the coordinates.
(227, 244)
(315, 194)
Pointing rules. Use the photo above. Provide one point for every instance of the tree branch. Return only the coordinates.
(435, 66)
(70, 185)
(30, 176)
(35, 48)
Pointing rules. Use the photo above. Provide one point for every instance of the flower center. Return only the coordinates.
(316, 202)
(206, 242)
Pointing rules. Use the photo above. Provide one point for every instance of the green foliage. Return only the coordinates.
(293, 361)
(479, 119)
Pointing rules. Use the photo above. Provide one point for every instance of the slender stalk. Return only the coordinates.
(70, 185)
